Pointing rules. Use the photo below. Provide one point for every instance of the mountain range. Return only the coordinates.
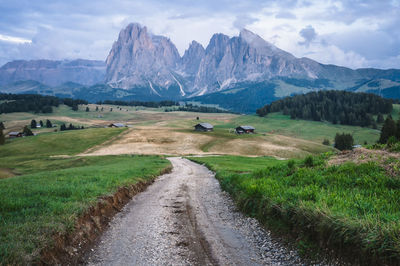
(240, 73)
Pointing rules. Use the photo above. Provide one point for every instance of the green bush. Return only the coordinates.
(391, 141)
(291, 164)
(326, 142)
(344, 141)
(309, 161)
(2, 138)
(395, 147)
(27, 132)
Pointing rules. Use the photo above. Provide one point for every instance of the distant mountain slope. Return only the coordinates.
(53, 73)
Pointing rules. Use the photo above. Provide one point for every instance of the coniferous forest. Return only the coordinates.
(10, 103)
(338, 107)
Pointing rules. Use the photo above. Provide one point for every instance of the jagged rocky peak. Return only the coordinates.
(194, 49)
(192, 58)
(257, 42)
(218, 43)
(139, 58)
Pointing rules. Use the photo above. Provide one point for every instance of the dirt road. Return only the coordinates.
(185, 219)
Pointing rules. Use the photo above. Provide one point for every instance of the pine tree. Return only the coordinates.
(63, 127)
(33, 123)
(2, 138)
(97, 108)
(87, 109)
(26, 131)
(380, 119)
(75, 107)
(344, 141)
(2, 125)
(48, 124)
(41, 123)
(388, 130)
(397, 135)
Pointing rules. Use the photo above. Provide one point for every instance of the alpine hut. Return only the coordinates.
(245, 129)
(116, 125)
(204, 127)
(12, 135)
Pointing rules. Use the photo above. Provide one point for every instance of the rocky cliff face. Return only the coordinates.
(140, 59)
(53, 73)
(249, 58)
(192, 58)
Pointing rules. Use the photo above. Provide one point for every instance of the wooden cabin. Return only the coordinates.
(116, 125)
(245, 130)
(205, 127)
(14, 134)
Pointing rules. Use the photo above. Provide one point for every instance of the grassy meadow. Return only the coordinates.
(44, 186)
(349, 207)
(274, 124)
(39, 153)
(45, 193)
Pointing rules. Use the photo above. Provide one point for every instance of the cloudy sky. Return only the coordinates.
(352, 33)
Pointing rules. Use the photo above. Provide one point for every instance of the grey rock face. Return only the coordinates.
(247, 58)
(53, 73)
(191, 59)
(140, 59)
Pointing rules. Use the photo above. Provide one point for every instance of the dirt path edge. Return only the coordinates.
(69, 248)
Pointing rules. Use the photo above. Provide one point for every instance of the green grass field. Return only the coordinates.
(309, 130)
(349, 207)
(32, 154)
(53, 191)
(274, 123)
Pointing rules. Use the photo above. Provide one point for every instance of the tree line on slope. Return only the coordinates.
(10, 103)
(338, 107)
(139, 103)
(188, 107)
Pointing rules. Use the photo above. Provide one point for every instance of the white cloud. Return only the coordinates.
(13, 39)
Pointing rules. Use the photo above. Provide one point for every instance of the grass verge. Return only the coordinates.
(52, 193)
(353, 208)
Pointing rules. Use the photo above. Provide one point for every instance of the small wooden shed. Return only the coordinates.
(116, 125)
(204, 127)
(14, 134)
(245, 129)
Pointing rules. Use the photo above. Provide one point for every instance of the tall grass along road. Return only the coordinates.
(185, 219)
(353, 208)
(43, 194)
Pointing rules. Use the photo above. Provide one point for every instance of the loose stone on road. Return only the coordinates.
(184, 218)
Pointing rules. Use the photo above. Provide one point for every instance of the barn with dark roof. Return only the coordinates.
(245, 129)
(204, 127)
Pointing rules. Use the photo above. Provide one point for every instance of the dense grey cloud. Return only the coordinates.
(350, 33)
(243, 20)
(309, 34)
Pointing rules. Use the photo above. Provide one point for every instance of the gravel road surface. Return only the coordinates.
(184, 218)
